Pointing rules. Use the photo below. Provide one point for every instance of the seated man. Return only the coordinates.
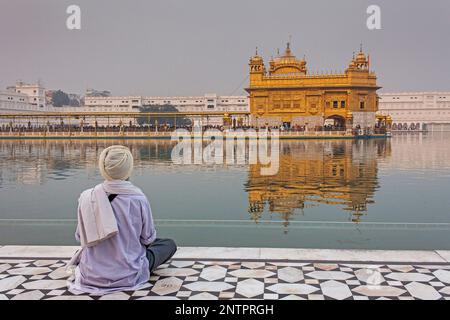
(116, 231)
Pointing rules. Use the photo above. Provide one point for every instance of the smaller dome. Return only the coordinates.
(352, 65)
(360, 62)
(361, 58)
(303, 61)
(256, 58)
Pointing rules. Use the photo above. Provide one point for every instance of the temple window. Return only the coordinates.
(342, 104)
(362, 105)
(335, 104)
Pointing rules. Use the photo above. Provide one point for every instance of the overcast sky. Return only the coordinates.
(192, 47)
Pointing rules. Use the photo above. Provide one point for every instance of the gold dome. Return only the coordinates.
(287, 63)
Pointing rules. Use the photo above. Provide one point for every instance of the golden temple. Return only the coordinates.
(288, 94)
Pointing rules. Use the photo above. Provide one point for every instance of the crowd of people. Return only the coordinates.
(53, 128)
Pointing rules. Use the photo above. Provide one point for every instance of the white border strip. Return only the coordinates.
(204, 253)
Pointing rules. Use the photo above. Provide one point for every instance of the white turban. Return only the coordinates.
(116, 163)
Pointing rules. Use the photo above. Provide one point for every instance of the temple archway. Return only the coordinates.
(334, 123)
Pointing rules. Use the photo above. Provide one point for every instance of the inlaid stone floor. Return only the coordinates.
(184, 278)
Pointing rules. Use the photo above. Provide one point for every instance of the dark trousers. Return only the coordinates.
(159, 252)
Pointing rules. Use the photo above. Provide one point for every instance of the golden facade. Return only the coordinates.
(288, 93)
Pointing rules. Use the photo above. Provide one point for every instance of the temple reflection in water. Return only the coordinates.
(342, 173)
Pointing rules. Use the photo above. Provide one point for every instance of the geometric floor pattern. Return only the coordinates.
(32, 279)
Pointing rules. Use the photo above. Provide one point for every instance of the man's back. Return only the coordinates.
(119, 263)
(118, 241)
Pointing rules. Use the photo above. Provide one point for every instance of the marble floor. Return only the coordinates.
(244, 273)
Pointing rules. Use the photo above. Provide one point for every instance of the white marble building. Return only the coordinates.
(12, 101)
(26, 98)
(208, 102)
(23, 97)
(35, 92)
(205, 103)
(417, 110)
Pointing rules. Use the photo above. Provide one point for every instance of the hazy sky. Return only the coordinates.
(191, 47)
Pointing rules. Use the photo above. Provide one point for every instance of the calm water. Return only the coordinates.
(372, 194)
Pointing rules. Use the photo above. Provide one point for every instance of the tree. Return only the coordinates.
(170, 120)
(74, 103)
(60, 98)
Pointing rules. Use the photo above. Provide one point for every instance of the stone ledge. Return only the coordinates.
(415, 256)
(37, 251)
(419, 256)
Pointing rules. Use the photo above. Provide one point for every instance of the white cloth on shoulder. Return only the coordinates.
(121, 187)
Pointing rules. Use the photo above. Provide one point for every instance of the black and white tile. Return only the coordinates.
(239, 279)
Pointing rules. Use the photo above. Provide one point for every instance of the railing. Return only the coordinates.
(83, 134)
(146, 134)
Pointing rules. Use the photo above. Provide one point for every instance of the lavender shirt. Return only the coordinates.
(119, 263)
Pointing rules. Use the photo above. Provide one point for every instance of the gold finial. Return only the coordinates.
(256, 51)
(361, 47)
(288, 47)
